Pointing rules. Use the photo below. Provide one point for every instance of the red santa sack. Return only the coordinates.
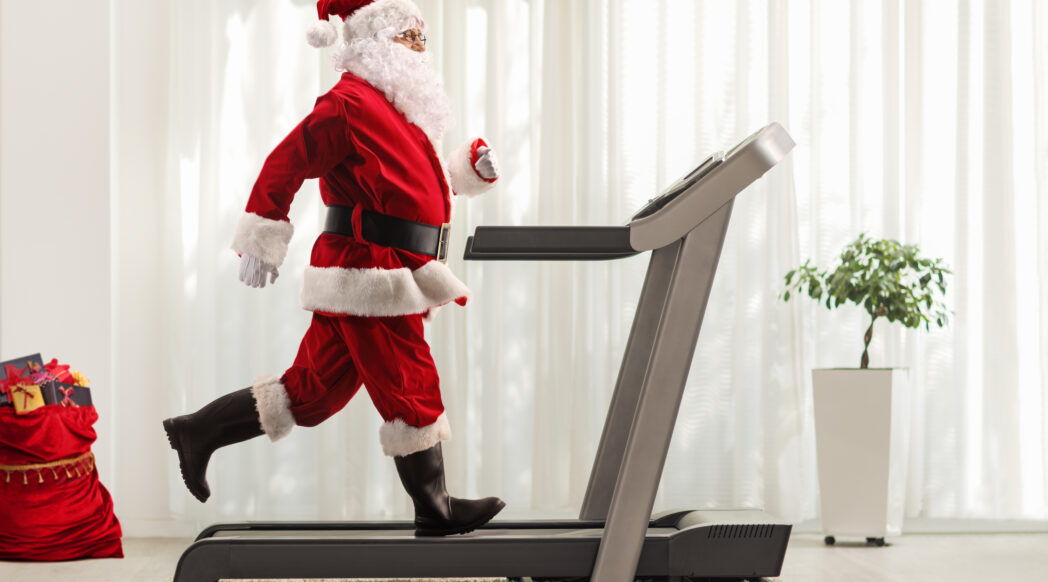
(52, 505)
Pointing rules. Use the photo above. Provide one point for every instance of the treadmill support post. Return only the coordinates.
(693, 263)
(623, 405)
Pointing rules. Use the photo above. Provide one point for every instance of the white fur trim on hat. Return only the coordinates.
(464, 179)
(397, 15)
(262, 238)
(274, 407)
(380, 292)
(321, 33)
(400, 439)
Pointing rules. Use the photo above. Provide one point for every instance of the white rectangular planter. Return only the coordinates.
(861, 434)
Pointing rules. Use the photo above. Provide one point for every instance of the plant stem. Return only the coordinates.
(866, 348)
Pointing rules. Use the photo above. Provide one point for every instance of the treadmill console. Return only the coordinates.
(675, 189)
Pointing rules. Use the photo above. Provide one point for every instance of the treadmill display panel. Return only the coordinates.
(678, 187)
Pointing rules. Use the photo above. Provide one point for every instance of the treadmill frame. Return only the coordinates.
(637, 431)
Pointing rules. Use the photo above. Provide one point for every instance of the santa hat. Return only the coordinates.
(362, 18)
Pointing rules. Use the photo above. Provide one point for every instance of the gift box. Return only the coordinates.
(26, 397)
(17, 368)
(20, 381)
(28, 383)
(21, 366)
(65, 394)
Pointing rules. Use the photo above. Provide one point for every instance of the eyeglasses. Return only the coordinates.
(413, 36)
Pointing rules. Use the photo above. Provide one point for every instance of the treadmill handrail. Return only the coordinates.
(549, 243)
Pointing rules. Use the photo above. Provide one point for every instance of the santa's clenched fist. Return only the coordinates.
(487, 165)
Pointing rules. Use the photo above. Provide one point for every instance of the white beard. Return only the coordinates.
(405, 78)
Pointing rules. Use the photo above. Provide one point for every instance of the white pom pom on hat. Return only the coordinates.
(323, 33)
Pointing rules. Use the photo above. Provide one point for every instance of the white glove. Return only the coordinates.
(253, 271)
(487, 164)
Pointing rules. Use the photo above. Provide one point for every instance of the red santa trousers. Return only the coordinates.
(389, 356)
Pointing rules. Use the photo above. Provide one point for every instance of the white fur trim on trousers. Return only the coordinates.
(464, 179)
(262, 238)
(380, 292)
(399, 439)
(274, 407)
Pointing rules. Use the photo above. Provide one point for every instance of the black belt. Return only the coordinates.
(390, 231)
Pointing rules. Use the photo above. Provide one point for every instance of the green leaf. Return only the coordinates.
(886, 278)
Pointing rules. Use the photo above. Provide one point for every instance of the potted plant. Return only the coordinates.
(862, 414)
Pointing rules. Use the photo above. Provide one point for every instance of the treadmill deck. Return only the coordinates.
(743, 544)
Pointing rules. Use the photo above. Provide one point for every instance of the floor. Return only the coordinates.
(947, 557)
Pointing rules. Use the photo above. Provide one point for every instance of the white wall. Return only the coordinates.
(140, 95)
(54, 192)
(66, 201)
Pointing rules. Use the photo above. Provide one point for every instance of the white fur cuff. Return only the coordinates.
(274, 407)
(380, 292)
(263, 238)
(464, 179)
(400, 439)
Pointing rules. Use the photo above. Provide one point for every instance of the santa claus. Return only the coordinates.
(376, 272)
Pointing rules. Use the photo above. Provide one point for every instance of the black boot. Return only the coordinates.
(436, 512)
(229, 419)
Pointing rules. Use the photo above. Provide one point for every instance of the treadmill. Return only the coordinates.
(616, 538)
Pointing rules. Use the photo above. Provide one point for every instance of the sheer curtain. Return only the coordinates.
(922, 121)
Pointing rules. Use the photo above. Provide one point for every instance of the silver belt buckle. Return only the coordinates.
(442, 242)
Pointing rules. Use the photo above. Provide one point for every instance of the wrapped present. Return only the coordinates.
(61, 373)
(65, 394)
(16, 372)
(36, 384)
(26, 397)
(21, 366)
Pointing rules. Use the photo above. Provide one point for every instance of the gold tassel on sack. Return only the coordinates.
(67, 465)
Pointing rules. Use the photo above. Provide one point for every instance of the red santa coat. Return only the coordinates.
(367, 155)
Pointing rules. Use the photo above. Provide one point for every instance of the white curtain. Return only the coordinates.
(923, 121)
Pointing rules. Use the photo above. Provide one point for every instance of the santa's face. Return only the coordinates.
(399, 67)
(413, 39)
